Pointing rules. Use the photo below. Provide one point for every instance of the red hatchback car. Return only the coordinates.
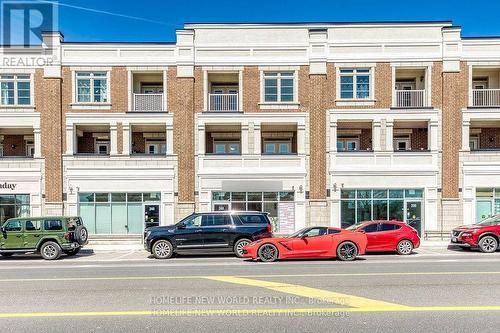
(484, 235)
(388, 236)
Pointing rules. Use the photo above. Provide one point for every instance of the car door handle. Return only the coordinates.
(199, 230)
(225, 230)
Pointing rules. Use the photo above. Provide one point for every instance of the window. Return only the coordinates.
(216, 220)
(277, 147)
(474, 142)
(355, 83)
(30, 149)
(389, 227)
(227, 147)
(53, 225)
(402, 144)
(279, 87)
(102, 147)
(13, 226)
(333, 231)
(371, 228)
(252, 219)
(155, 148)
(193, 221)
(91, 87)
(347, 144)
(15, 89)
(35, 225)
(315, 232)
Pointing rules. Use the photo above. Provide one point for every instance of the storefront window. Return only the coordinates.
(286, 196)
(365, 205)
(221, 196)
(487, 203)
(14, 205)
(118, 213)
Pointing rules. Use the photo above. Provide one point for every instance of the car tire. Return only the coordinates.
(488, 244)
(268, 253)
(81, 235)
(405, 247)
(50, 251)
(6, 254)
(347, 251)
(162, 249)
(72, 252)
(239, 245)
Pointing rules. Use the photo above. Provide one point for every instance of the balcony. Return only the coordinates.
(410, 99)
(17, 143)
(147, 92)
(148, 102)
(223, 102)
(223, 92)
(486, 97)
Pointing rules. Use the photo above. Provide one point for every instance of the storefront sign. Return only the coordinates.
(9, 186)
(286, 217)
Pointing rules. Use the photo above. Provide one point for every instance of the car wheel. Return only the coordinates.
(488, 244)
(268, 253)
(239, 245)
(72, 252)
(162, 249)
(405, 247)
(50, 251)
(347, 251)
(6, 254)
(81, 235)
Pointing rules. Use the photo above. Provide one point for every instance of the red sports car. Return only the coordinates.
(311, 242)
(484, 235)
(388, 236)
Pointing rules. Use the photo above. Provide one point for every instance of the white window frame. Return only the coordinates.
(226, 147)
(157, 147)
(345, 140)
(30, 149)
(15, 78)
(100, 143)
(474, 142)
(278, 77)
(91, 77)
(277, 144)
(484, 82)
(354, 75)
(406, 140)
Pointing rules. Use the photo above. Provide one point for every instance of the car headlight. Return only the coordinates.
(467, 234)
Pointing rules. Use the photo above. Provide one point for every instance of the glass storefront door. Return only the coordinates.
(483, 209)
(413, 215)
(151, 215)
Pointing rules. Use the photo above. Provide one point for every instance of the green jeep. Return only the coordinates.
(49, 236)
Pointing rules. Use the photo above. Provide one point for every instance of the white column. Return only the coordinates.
(301, 139)
(170, 139)
(240, 91)
(393, 86)
(165, 104)
(376, 135)
(201, 139)
(37, 138)
(389, 136)
(130, 80)
(205, 91)
(333, 136)
(70, 139)
(126, 139)
(465, 135)
(113, 139)
(433, 135)
(257, 139)
(244, 139)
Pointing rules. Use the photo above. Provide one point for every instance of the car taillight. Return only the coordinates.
(67, 236)
(269, 228)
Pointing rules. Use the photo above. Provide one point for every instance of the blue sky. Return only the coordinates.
(156, 20)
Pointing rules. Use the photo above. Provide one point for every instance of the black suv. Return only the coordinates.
(214, 232)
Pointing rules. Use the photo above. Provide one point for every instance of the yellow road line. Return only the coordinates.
(311, 293)
(242, 312)
(113, 278)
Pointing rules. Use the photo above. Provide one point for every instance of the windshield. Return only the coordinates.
(298, 233)
(494, 220)
(354, 226)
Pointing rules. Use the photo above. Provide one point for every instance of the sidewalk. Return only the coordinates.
(137, 246)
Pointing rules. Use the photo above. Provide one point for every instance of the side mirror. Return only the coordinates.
(2, 229)
(303, 236)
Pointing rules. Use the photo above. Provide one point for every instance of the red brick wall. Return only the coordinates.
(14, 140)
(86, 143)
(419, 139)
(365, 139)
(138, 143)
(485, 136)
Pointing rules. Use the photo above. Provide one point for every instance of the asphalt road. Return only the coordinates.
(431, 291)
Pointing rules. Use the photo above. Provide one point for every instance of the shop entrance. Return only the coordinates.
(413, 215)
(151, 215)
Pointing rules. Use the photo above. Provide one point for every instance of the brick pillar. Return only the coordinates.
(181, 104)
(52, 131)
(455, 94)
(317, 137)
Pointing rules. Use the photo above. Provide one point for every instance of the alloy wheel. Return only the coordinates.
(489, 244)
(50, 251)
(405, 247)
(162, 249)
(240, 245)
(268, 252)
(347, 251)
